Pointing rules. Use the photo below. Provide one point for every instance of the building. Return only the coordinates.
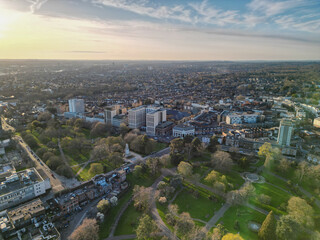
(110, 112)
(137, 117)
(153, 118)
(21, 186)
(76, 105)
(183, 130)
(316, 122)
(119, 119)
(285, 132)
(164, 129)
(242, 118)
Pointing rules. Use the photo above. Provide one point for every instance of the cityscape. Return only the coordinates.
(190, 120)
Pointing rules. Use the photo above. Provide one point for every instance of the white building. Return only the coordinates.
(22, 186)
(285, 132)
(183, 130)
(242, 118)
(137, 117)
(76, 105)
(110, 112)
(153, 118)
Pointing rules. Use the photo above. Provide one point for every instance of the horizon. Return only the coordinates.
(147, 30)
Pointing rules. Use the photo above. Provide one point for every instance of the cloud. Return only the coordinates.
(36, 4)
(141, 7)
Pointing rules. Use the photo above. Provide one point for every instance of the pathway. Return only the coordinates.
(120, 213)
(154, 211)
(219, 214)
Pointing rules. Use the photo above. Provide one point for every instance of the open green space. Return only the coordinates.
(279, 198)
(128, 222)
(275, 180)
(199, 207)
(206, 156)
(244, 215)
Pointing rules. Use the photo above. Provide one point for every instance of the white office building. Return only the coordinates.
(137, 117)
(242, 118)
(153, 118)
(22, 186)
(76, 105)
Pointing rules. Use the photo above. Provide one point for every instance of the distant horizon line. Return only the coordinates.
(154, 60)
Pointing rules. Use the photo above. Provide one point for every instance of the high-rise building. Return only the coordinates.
(76, 105)
(285, 132)
(110, 112)
(153, 118)
(137, 117)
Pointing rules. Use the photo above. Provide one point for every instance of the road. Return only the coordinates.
(55, 181)
(40, 165)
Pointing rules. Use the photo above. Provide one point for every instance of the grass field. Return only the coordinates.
(243, 215)
(201, 207)
(129, 222)
(278, 197)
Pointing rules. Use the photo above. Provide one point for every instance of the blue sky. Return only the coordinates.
(173, 30)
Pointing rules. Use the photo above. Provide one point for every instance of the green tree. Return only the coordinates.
(147, 228)
(103, 206)
(301, 211)
(287, 228)
(265, 150)
(268, 227)
(195, 146)
(54, 162)
(212, 147)
(185, 169)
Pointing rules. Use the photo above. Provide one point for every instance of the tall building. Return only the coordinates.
(285, 132)
(76, 105)
(137, 117)
(110, 112)
(153, 118)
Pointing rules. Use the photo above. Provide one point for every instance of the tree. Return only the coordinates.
(98, 130)
(99, 152)
(54, 162)
(221, 161)
(177, 145)
(231, 236)
(95, 168)
(195, 146)
(218, 232)
(137, 171)
(239, 196)
(88, 230)
(176, 181)
(184, 225)
(185, 169)
(123, 129)
(301, 211)
(114, 201)
(302, 170)
(212, 147)
(147, 228)
(265, 150)
(153, 165)
(212, 177)
(142, 198)
(31, 141)
(244, 162)
(103, 206)
(268, 228)
(65, 170)
(287, 228)
(284, 165)
(45, 116)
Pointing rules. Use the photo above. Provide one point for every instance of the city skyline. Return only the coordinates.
(160, 30)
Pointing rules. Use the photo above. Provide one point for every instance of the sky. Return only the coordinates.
(160, 29)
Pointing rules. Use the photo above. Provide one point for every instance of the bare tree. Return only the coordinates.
(88, 230)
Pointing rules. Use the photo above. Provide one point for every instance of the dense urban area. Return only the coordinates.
(159, 150)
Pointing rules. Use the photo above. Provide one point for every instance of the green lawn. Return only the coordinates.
(201, 170)
(128, 222)
(278, 197)
(243, 215)
(274, 180)
(235, 179)
(206, 156)
(201, 207)
(111, 215)
(124, 224)
(85, 175)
